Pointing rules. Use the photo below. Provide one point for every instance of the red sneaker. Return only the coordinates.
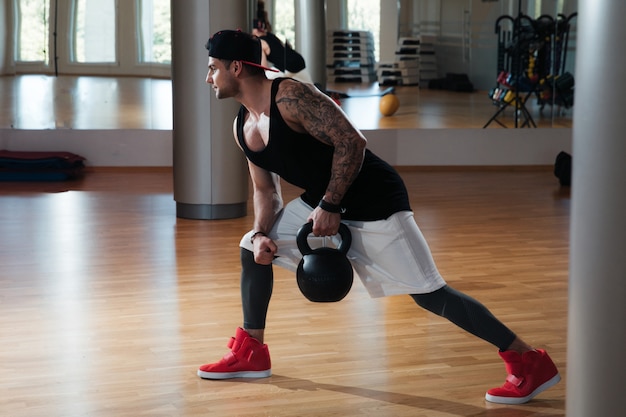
(248, 358)
(529, 374)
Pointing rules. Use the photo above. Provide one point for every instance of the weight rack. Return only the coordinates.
(531, 61)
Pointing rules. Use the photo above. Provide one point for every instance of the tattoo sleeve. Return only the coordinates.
(308, 110)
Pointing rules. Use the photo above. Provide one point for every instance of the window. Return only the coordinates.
(285, 25)
(94, 31)
(155, 40)
(365, 15)
(32, 17)
(112, 37)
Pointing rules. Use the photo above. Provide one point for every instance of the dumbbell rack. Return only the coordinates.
(558, 85)
(517, 52)
(531, 58)
(505, 95)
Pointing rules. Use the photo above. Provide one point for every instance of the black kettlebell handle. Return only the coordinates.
(305, 231)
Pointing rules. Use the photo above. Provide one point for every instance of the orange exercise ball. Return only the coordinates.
(389, 104)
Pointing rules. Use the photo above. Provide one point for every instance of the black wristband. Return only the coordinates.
(255, 234)
(329, 207)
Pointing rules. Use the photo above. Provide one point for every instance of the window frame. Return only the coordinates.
(127, 62)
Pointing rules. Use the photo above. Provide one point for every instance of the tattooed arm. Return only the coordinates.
(305, 109)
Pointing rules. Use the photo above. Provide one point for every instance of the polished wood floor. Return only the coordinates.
(109, 302)
(70, 102)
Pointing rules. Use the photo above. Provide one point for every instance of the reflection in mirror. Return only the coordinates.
(98, 65)
(518, 55)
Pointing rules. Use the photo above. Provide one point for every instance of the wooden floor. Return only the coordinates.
(109, 302)
(70, 102)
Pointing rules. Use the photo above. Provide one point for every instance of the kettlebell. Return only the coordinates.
(325, 274)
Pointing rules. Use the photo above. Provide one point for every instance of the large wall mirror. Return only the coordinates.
(516, 51)
(498, 44)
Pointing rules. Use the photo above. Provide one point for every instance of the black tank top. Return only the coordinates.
(301, 160)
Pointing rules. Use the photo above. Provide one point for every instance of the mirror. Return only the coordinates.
(519, 55)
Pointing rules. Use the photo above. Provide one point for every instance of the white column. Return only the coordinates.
(311, 37)
(597, 304)
(210, 175)
(389, 22)
(336, 15)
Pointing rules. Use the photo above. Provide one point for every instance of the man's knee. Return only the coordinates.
(434, 301)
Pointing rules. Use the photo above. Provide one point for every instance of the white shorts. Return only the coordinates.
(390, 256)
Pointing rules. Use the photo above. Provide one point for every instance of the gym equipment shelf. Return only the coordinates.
(531, 61)
(350, 56)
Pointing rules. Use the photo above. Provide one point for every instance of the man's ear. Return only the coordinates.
(237, 66)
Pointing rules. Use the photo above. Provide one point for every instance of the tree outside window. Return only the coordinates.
(155, 28)
(32, 31)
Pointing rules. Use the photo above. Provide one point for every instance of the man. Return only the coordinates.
(291, 130)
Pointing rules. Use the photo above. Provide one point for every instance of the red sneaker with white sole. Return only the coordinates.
(528, 375)
(248, 358)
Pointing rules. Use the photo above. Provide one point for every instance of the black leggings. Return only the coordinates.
(468, 314)
(257, 282)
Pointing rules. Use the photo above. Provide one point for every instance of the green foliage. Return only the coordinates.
(33, 30)
(162, 35)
